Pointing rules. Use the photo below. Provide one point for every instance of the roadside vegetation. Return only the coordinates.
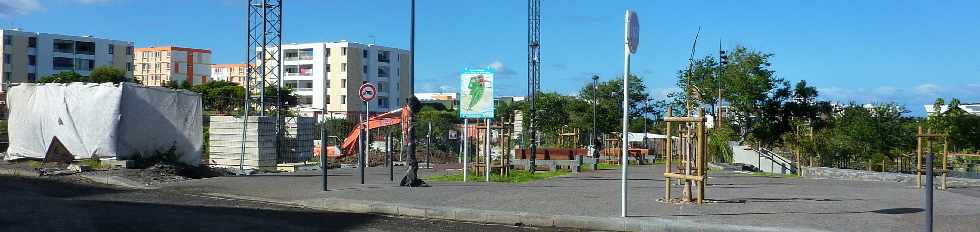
(516, 176)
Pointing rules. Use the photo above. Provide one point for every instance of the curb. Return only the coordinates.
(507, 217)
(116, 181)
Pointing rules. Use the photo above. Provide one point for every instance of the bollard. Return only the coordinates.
(929, 188)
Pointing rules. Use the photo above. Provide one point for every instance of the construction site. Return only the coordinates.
(733, 148)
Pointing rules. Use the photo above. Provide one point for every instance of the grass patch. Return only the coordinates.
(35, 164)
(514, 177)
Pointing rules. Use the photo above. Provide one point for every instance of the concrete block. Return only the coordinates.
(383, 208)
(470, 215)
(440, 213)
(411, 211)
(539, 220)
(503, 217)
(592, 223)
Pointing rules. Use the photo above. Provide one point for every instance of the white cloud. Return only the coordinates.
(10, 8)
(502, 70)
(927, 89)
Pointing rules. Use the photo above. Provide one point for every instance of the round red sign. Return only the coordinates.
(367, 92)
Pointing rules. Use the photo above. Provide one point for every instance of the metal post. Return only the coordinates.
(390, 159)
(929, 188)
(323, 138)
(428, 147)
(367, 134)
(625, 134)
(595, 124)
(486, 148)
(360, 152)
(466, 148)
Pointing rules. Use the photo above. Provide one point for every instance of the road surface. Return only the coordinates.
(30, 204)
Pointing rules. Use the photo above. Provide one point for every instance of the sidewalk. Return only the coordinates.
(590, 200)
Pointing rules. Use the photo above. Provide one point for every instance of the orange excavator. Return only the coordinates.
(349, 145)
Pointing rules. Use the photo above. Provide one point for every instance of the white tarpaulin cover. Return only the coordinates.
(104, 120)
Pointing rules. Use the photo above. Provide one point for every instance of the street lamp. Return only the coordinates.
(595, 126)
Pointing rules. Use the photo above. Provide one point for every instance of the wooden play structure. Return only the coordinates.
(928, 138)
(691, 153)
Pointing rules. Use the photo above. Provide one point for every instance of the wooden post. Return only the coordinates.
(700, 156)
(945, 155)
(918, 159)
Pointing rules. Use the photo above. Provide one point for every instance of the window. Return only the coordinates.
(85, 48)
(32, 42)
(31, 60)
(327, 98)
(327, 68)
(328, 83)
(129, 50)
(326, 52)
(31, 77)
(343, 99)
(6, 58)
(381, 86)
(129, 66)
(343, 51)
(364, 69)
(62, 63)
(112, 48)
(343, 67)
(365, 53)
(64, 46)
(84, 64)
(343, 83)
(7, 40)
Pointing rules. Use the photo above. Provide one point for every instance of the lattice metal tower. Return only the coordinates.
(264, 52)
(533, 71)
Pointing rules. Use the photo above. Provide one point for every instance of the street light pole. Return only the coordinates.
(595, 124)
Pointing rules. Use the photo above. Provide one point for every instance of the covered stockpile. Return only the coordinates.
(123, 121)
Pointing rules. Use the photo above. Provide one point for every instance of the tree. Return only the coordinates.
(609, 97)
(220, 97)
(63, 77)
(108, 74)
(755, 95)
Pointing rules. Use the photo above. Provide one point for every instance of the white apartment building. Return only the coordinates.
(346, 65)
(29, 56)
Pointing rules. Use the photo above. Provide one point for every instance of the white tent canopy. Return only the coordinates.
(104, 120)
(638, 137)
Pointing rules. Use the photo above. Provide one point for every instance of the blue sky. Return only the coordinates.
(909, 52)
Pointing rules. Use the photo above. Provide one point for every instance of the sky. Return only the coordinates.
(908, 52)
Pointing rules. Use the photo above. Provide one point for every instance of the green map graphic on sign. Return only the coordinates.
(476, 93)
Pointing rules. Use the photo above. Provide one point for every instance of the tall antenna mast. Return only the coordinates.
(264, 53)
(533, 70)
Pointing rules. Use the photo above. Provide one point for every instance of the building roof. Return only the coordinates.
(227, 65)
(173, 48)
(969, 108)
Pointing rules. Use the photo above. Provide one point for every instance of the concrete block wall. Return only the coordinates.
(226, 143)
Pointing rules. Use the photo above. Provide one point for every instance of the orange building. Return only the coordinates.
(159, 66)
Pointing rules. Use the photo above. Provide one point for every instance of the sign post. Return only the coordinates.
(632, 42)
(367, 92)
(476, 101)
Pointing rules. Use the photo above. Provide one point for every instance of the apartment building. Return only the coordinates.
(345, 66)
(159, 66)
(29, 56)
(229, 72)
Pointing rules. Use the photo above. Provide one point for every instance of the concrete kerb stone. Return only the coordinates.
(592, 223)
(511, 218)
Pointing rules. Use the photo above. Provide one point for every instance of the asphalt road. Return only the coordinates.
(30, 204)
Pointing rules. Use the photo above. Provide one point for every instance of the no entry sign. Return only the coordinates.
(367, 92)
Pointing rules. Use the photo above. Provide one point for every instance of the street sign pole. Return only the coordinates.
(366, 92)
(486, 148)
(632, 40)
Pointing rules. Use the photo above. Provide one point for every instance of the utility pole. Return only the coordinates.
(428, 147)
(595, 124)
